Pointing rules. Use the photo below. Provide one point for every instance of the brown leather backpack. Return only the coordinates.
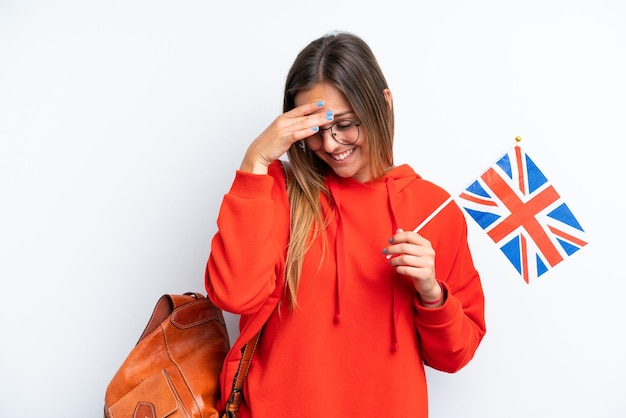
(174, 369)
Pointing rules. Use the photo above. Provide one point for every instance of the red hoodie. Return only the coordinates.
(357, 343)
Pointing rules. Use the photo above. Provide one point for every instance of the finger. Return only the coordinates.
(421, 249)
(397, 236)
(410, 237)
(310, 125)
(406, 236)
(304, 133)
(417, 261)
(306, 109)
(416, 267)
(397, 250)
(415, 273)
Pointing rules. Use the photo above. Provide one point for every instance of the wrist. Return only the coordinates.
(434, 299)
(253, 166)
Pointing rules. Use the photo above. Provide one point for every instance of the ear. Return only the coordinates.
(388, 98)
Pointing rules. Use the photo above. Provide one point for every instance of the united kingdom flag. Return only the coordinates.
(514, 203)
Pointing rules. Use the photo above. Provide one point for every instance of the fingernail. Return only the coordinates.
(329, 115)
(315, 129)
(320, 103)
(390, 240)
(384, 251)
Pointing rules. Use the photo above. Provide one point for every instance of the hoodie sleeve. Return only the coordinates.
(249, 248)
(451, 333)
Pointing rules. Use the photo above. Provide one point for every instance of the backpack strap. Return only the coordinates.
(236, 396)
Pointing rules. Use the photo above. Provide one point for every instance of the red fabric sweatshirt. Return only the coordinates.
(357, 343)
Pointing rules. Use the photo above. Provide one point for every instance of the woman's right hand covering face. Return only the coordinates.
(287, 129)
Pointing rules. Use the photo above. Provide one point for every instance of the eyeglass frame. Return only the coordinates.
(330, 128)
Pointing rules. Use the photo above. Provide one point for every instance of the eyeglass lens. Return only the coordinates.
(344, 132)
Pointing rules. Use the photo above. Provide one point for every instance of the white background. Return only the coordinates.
(122, 123)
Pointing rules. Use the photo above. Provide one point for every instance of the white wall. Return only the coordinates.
(122, 122)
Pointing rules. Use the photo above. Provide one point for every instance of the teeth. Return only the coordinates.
(343, 155)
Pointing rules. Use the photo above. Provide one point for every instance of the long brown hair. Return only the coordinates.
(346, 62)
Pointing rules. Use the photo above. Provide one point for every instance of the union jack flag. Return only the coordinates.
(514, 203)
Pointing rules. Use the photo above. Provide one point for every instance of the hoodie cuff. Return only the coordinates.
(439, 315)
(251, 186)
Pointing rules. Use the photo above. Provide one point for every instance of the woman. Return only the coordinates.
(352, 303)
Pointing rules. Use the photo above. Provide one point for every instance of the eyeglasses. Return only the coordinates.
(344, 132)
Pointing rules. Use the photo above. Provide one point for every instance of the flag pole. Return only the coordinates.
(434, 213)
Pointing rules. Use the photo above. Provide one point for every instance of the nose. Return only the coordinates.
(328, 140)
